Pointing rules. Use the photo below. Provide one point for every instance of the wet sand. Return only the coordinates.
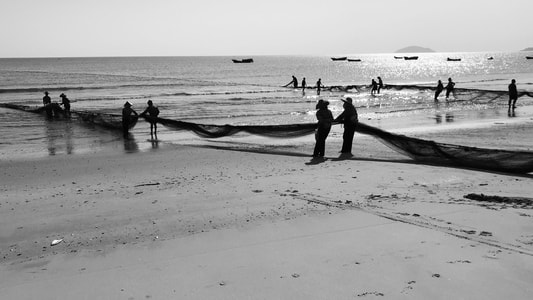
(236, 218)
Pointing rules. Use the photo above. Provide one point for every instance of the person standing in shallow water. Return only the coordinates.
(380, 84)
(450, 87)
(440, 88)
(47, 104)
(349, 119)
(127, 118)
(46, 99)
(513, 94)
(374, 85)
(304, 85)
(152, 112)
(319, 87)
(325, 118)
(66, 104)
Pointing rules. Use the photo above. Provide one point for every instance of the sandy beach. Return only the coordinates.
(234, 219)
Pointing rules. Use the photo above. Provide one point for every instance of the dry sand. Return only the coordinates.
(234, 219)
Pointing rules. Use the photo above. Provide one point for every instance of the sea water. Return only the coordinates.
(214, 90)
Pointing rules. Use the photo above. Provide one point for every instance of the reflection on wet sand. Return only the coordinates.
(155, 143)
(448, 117)
(130, 145)
(57, 133)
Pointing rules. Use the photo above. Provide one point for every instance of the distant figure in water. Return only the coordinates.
(374, 85)
(127, 113)
(47, 104)
(304, 85)
(450, 87)
(152, 112)
(513, 94)
(380, 84)
(319, 86)
(440, 88)
(66, 104)
(349, 119)
(325, 118)
(46, 99)
(294, 82)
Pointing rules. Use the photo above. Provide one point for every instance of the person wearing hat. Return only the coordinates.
(349, 119)
(66, 104)
(152, 112)
(127, 118)
(325, 118)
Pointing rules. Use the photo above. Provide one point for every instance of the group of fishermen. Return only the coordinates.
(450, 88)
(129, 115)
(348, 118)
(294, 83)
(53, 109)
(150, 114)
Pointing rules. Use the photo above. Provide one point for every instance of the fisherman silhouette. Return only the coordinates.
(127, 118)
(319, 86)
(380, 84)
(374, 85)
(349, 119)
(440, 88)
(513, 94)
(66, 104)
(152, 112)
(450, 87)
(325, 118)
(294, 82)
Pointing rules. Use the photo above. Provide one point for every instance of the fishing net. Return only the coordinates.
(216, 131)
(433, 152)
(418, 149)
(111, 121)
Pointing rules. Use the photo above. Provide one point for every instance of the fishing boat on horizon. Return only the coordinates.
(243, 61)
(453, 59)
(339, 58)
(410, 57)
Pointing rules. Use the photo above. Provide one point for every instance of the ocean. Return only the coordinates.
(214, 90)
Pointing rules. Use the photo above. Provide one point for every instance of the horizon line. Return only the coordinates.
(241, 55)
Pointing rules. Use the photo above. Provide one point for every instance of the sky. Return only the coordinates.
(81, 28)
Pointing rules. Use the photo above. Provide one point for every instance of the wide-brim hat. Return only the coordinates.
(322, 103)
(347, 100)
(127, 103)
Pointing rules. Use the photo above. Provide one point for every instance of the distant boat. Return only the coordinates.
(410, 57)
(354, 59)
(490, 58)
(339, 58)
(398, 57)
(243, 61)
(453, 59)
(529, 57)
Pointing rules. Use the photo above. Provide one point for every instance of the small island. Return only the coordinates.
(528, 49)
(414, 49)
